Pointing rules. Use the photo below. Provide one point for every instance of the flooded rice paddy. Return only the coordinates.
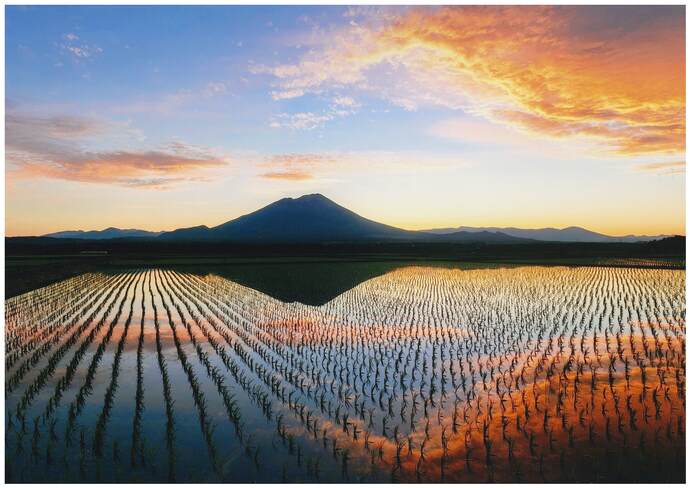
(423, 373)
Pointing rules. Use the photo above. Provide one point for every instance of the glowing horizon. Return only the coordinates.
(167, 117)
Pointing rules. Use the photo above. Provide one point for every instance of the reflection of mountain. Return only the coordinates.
(315, 283)
(307, 283)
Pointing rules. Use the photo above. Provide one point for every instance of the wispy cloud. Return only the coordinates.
(298, 159)
(337, 165)
(288, 175)
(339, 107)
(663, 168)
(475, 131)
(300, 120)
(614, 75)
(77, 49)
(56, 147)
(169, 103)
(294, 167)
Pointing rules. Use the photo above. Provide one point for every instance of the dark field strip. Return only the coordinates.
(421, 374)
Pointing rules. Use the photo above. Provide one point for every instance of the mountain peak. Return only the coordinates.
(313, 196)
(308, 218)
(313, 200)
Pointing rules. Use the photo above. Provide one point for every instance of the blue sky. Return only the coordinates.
(177, 116)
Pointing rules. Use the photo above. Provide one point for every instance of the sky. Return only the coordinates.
(172, 116)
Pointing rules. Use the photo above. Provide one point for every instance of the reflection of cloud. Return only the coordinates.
(52, 147)
(665, 168)
(613, 74)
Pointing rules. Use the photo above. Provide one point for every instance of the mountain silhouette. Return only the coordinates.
(568, 234)
(304, 219)
(315, 218)
(109, 233)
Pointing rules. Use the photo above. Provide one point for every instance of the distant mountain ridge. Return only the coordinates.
(316, 219)
(109, 233)
(567, 234)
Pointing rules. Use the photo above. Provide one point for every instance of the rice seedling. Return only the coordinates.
(422, 374)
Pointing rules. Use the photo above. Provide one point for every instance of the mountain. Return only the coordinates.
(487, 237)
(109, 233)
(316, 219)
(310, 218)
(568, 234)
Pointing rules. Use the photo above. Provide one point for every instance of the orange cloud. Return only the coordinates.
(334, 166)
(52, 147)
(288, 175)
(665, 168)
(612, 74)
(154, 169)
(298, 159)
(294, 167)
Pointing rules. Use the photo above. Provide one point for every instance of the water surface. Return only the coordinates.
(385, 373)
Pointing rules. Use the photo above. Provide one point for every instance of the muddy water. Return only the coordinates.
(420, 374)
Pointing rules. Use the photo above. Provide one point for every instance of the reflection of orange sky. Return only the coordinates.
(589, 385)
(557, 404)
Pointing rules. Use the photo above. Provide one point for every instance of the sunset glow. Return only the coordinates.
(168, 117)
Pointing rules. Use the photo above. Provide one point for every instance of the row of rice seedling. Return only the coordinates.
(348, 368)
(101, 424)
(22, 310)
(22, 314)
(37, 326)
(137, 450)
(50, 330)
(259, 395)
(77, 329)
(78, 404)
(423, 374)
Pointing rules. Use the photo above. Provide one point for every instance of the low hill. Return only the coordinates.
(567, 234)
(109, 233)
